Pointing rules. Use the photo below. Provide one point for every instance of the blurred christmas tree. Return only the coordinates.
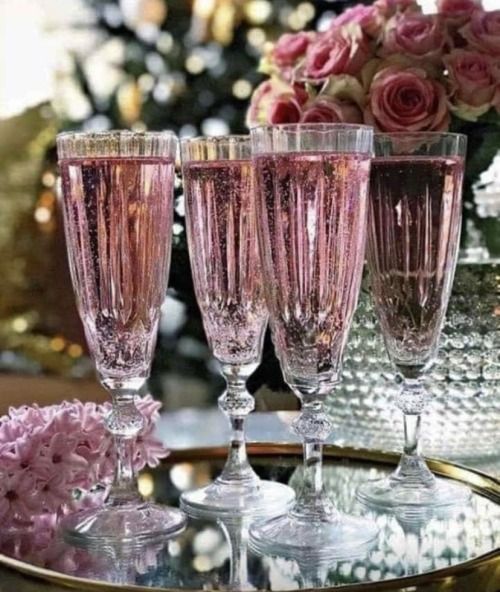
(190, 67)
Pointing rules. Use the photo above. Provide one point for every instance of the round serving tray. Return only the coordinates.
(440, 554)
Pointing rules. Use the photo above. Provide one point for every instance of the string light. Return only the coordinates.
(195, 64)
(75, 350)
(204, 8)
(295, 21)
(258, 11)
(146, 82)
(256, 37)
(42, 215)
(19, 325)
(165, 42)
(57, 344)
(146, 485)
(242, 89)
(162, 92)
(48, 179)
(306, 11)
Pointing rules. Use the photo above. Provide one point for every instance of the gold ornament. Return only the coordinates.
(216, 20)
(33, 307)
(129, 98)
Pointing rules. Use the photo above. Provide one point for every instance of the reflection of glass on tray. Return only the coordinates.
(199, 558)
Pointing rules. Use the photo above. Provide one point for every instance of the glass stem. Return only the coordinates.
(124, 422)
(313, 464)
(413, 547)
(236, 403)
(237, 538)
(412, 466)
(412, 434)
(314, 427)
(314, 574)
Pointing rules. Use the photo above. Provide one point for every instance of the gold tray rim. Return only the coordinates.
(482, 483)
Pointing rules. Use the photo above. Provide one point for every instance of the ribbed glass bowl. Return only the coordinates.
(462, 419)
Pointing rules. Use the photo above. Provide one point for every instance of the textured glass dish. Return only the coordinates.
(461, 421)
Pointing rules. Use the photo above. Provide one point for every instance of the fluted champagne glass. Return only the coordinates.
(117, 193)
(221, 230)
(414, 225)
(312, 188)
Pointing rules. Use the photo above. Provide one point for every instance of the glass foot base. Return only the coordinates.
(127, 525)
(227, 499)
(313, 539)
(390, 493)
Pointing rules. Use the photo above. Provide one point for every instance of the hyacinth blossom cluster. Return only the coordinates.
(55, 460)
(386, 65)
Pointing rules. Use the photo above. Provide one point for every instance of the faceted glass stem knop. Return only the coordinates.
(236, 403)
(412, 487)
(412, 468)
(313, 426)
(124, 422)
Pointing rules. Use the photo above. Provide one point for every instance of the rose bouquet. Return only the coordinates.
(387, 65)
(55, 460)
(390, 66)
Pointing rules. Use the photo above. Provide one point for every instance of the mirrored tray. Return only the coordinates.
(436, 553)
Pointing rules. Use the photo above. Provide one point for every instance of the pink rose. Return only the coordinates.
(472, 77)
(406, 99)
(389, 8)
(284, 109)
(329, 110)
(482, 32)
(340, 51)
(457, 12)
(416, 35)
(368, 18)
(290, 47)
(275, 101)
(473, 81)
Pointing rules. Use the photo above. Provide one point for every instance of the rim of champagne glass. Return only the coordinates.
(116, 133)
(236, 138)
(327, 127)
(215, 148)
(116, 143)
(421, 134)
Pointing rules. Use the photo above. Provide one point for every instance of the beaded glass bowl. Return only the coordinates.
(463, 416)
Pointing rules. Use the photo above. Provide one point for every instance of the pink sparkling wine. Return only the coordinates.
(413, 239)
(312, 218)
(118, 221)
(223, 249)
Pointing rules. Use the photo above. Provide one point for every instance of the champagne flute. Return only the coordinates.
(117, 193)
(223, 249)
(312, 186)
(413, 238)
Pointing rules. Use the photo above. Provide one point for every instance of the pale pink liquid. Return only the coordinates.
(223, 249)
(312, 223)
(413, 239)
(118, 221)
